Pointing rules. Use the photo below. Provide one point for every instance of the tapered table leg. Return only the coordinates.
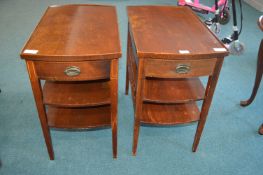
(211, 85)
(138, 106)
(127, 63)
(114, 104)
(37, 91)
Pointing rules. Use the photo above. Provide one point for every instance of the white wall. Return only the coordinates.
(257, 4)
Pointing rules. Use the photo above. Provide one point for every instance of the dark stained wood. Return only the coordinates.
(75, 48)
(163, 75)
(75, 33)
(173, 91)
(77, 94)
(161, 31)
(37, 91)
(89, 70)
(132, 69)
(78, 118)
(159, 114)
(114, 104)
(258, 74)
(211, 85)
(167, 68)
(138, 105)
(257, 78)
(127, 64)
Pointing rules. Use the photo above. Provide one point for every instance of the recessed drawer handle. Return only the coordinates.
(183, 69)
(72, 71)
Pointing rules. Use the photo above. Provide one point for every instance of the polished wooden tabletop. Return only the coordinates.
(75, 33)
(172, 32)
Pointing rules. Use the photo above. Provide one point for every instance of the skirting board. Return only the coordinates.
(257, 4)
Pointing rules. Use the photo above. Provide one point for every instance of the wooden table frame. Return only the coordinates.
(81, 82)
(137, 60)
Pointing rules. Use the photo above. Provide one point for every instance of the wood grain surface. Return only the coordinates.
(76, 94)
(173, 91)
(163, 31)
(159, 114)
(75, 32)
(78, 118)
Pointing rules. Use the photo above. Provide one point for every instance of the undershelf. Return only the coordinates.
(79, 118)
(173, 90)
(76, 94)
(160, 114)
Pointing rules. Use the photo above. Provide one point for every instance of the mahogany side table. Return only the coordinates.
(74, 50)
(169, 48)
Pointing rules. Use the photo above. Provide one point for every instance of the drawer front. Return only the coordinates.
(72, 71)
(179, 68)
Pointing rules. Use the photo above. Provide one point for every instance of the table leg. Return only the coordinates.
(127, 80)
(257, 79)
(114, 105)
(211, 85)
(138, 106)
(128, 56)
(37, 91)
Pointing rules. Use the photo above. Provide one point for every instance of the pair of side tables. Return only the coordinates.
(72, 61)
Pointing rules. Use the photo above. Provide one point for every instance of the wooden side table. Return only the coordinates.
(75, 50)
(169, 48)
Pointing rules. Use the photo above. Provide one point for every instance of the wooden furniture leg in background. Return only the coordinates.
(258, 77)
(211, 85)
(37, 91)
(114, 104)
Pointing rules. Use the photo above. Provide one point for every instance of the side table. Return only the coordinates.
(74, 50)
(169, 48)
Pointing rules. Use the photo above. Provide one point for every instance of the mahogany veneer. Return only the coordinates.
(75, 49)
(160, 114)
(76, 94)
(168, 48)
(170, 91)
(78, 118)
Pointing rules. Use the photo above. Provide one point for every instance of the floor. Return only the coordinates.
(230, 144)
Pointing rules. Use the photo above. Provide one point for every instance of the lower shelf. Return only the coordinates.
(161, 114)
(79, 118)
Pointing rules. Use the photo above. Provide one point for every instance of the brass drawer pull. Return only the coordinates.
(183, 69)
(72, 71)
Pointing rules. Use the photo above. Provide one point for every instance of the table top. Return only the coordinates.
(170, 32)
(75, 33)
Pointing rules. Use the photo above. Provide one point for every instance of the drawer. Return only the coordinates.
(72, 71)
(179, 68)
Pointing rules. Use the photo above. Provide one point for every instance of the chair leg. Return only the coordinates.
(257, 79)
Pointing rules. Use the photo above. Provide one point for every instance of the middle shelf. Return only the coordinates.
(172, 91)
(77, 94)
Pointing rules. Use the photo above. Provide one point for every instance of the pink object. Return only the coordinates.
(197, 6)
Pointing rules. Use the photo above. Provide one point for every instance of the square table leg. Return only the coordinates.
(114, 104)
(37, 91)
